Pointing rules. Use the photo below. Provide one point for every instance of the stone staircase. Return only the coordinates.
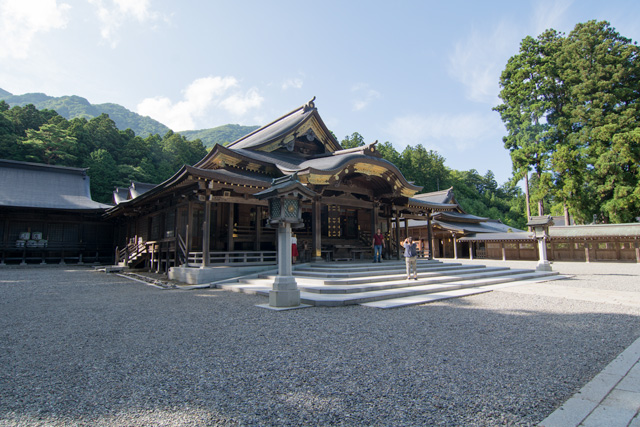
(384, 285)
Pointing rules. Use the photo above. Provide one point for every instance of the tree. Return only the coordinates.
(103, 171)
(355, 140)
(531, 95)
(570, 106)
(599, 157)
(51, 145)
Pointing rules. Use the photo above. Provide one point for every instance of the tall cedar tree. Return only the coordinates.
(570, 106)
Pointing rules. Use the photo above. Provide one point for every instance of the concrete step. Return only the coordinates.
(456, 293)
(359, 266)
(434, 283)
(390, 269)
(397, 275)
(364, 284)
(333, 300)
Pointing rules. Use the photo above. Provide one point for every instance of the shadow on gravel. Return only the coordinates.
(81, 348)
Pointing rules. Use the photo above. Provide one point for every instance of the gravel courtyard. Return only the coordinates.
(84, 348)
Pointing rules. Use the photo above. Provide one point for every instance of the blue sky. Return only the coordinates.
(408, 72)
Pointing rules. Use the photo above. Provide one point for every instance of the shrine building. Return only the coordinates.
(205, 222)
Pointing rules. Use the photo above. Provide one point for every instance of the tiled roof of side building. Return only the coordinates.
(443, 196)
(34, 185)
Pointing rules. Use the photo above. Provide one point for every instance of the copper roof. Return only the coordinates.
(34, 185)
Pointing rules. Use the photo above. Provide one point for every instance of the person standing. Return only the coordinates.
(411, 257)
(294, 248)
(378, 244)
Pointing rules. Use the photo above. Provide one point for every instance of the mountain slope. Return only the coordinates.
(219, 135)
(73, 106)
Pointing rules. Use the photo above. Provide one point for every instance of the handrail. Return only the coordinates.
(183, 257)
(235, 258)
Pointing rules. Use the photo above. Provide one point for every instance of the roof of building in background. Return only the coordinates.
(120, 194)
(34, 185)
(443, 196)
(139, 188)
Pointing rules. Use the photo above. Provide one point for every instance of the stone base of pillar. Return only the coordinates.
(543, 266)
(285, 292)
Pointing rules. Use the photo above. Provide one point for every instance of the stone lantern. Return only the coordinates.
(540, 226)
(284, 198)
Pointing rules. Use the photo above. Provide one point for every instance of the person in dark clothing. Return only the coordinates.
(378, 244)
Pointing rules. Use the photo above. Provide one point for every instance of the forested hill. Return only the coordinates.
(219, 135)
(114, 157)
(71, 107)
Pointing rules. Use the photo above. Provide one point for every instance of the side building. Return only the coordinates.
(47, 216)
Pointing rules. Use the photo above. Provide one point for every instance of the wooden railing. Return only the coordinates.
(183, 258)
(235, 258)
(130, 252)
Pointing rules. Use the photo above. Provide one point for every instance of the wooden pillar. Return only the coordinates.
(316, 231)
(397, 220)
(387, 248)
(187, 240)
(504, 252)
(587, 257)
(206, 233)
(176, 211)
(256, 246)
(374, 219)
(637, 246)
(471, 245)
(406, 227)
(455, 246)
(231, 220)
(430, 234)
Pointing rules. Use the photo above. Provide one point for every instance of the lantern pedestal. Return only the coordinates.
(543, 264)
(285, 292)
(284, 197)
(540, 226)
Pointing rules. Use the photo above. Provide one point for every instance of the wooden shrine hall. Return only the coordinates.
(206, 216)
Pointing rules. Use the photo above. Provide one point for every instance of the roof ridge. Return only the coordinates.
(304, 107)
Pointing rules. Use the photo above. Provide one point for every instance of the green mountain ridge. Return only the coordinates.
(219, 135)
(72, 106)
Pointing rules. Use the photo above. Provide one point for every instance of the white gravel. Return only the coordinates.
(85, 348)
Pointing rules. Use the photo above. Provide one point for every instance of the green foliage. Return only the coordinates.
(478, 195)
(51, 145)
(353, 141)
(222, 135)
(114, 157)
(72, 107)
(571, 109)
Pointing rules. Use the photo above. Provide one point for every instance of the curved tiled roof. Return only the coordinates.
(34, 185)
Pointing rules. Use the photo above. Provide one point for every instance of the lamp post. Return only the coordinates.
(284, 198)
(540, 226)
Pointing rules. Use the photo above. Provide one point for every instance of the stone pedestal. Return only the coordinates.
(285, 292)
(543, 264)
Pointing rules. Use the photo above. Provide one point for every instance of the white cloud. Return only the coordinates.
(200, 97)
(114, 13)
(441, 132)
(238, 104)
(21, 20)
(478, 61)
(363, 96)
(295, 83)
